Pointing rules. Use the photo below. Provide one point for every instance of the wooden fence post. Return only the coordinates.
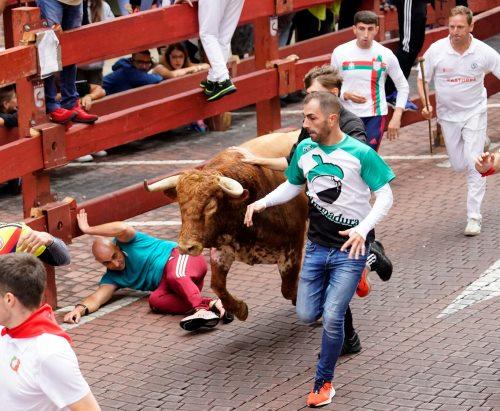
(267, 49)
(31, 111)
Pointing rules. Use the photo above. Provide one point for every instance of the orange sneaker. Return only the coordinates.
(364, 286)
(321, 394)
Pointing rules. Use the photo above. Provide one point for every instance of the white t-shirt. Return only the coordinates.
(39, 374)
(459, 78)
(364, 72)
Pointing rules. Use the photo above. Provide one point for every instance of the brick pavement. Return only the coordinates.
(136, 360)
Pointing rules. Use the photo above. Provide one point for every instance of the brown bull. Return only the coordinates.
(213, 201)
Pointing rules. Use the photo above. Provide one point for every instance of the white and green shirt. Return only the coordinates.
(339, 180)
(364, 71)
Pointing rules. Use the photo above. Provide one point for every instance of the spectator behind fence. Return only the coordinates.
(218, 20)
(66, 14)
(129, 73)
(175, 62)
(39, 368)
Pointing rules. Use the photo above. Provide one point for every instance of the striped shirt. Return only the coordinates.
(364, 72)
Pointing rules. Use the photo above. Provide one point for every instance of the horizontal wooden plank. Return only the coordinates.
(20, 157)
(17, 62)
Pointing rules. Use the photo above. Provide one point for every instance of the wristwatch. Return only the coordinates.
(86, 309)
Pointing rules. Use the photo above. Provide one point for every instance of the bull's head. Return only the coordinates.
(200, 196)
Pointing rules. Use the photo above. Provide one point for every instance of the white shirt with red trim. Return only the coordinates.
(39, 374)
(364, 72)
(459, 78)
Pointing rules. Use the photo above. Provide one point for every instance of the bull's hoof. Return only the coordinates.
(242, 312)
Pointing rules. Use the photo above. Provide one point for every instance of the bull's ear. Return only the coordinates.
(242, 198)
(171, 193)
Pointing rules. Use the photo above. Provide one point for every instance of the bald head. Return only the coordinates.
(108, 253)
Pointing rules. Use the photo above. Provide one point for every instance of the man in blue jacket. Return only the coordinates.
(129, 73)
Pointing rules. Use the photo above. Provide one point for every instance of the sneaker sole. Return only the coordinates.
(75, 120)
(63, 122)
(222, 93)
(329, 401)
(197, 323)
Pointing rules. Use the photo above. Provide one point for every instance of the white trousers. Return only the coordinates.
(218, 20)
(464, 142)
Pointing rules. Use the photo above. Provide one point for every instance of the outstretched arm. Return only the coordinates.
(122, 231)
(90, 304)
(277, 163)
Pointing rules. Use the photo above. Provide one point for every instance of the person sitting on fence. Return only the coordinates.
(217, 20)
(39, 368)
(138, 261)
(19, 238)
(66, 14)
(129, 73)
(175, 62)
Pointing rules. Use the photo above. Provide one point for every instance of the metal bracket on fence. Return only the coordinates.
(53, 145)
(58, 217)
(286, 74)
(284, 6)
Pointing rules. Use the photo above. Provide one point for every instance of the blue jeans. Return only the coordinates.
(327, 283)
(69, 17)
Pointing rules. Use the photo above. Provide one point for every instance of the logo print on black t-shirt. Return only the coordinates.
(325, 180)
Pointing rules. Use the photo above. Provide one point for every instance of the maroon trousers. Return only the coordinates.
(179, 291)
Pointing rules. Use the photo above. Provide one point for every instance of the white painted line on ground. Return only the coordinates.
(154, 223)
(116, 305)
(136, 163)
(494, 105)
(418, 157)
(487, 286)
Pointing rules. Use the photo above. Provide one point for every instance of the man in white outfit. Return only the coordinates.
(458, 64)
(218, 20)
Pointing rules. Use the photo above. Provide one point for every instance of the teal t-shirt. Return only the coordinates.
(145, 259)
(339, 181)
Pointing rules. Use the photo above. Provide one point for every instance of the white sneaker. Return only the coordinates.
(101, 153)
(473, 227)
(201, 318)
(85, 159)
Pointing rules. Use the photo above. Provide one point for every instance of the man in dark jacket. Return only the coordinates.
(129, 73)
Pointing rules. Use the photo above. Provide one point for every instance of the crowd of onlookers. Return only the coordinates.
(71, 93)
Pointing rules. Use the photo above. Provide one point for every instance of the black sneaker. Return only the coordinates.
(201, 318)
(351, 345)
(226, 318)
(220, 89)
(379, 262)
(206, 84)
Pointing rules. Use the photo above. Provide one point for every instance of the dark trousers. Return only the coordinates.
(348, 9)
(412, 15)
(307, 26)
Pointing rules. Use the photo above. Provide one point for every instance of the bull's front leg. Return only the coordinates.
(220, 263)
(289, 264)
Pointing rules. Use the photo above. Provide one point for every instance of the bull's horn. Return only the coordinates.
(230, 186)
(163, 184)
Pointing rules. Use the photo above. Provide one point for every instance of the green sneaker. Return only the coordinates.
(220, 89)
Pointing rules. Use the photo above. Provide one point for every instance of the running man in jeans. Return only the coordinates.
(339, 172)
(138, 261)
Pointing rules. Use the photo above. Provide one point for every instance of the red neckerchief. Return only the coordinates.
(489, 172)
(40, 322)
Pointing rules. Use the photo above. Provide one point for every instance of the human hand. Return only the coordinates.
(86, 102)
(248, 156)
(356, 243)
(32, 240)
(393, 127)
(82, 220)
(354, 97)
(427, 112)
(484, 162)
(73, 317)
(253, 208)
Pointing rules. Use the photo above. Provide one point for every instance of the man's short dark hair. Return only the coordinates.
(145, 52)
(366, 17)
(326, 75)
(6, 94)
(328, 102)
(24, 276)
